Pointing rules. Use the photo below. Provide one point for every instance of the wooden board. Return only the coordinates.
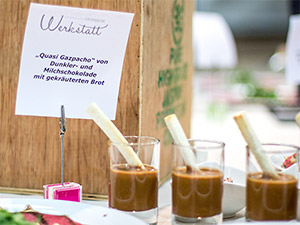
(167, 69)
(30, 146)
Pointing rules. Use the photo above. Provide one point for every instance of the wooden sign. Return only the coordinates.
(156, 81)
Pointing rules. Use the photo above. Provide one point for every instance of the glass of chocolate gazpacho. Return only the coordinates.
(134, 189)
(267, 198)
(197, 189)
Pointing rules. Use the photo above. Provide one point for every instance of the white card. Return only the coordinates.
(71, 57)
(293, 51)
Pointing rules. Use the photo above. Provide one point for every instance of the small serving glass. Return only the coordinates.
(134, 189)
(267, 198)
(197, 192)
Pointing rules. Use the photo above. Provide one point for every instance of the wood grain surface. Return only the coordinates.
(30, 146)
(167, 87)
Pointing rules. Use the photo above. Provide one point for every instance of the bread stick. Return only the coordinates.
(254, 145)
(113, 134)
(297, 118)
(179, 137)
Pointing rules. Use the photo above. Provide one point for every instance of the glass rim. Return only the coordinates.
(152, 142)
(288, 147)
(218, 144)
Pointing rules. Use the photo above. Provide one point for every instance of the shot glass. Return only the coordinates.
(134, 189)
(197, 193)
(267, 198)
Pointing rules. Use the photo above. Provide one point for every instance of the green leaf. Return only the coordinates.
(7, 218)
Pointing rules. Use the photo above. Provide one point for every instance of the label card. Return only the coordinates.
(71, 57)
(293, 51)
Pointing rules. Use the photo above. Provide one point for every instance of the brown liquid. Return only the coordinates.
(197, 194)
(133, 189)
(269, 199)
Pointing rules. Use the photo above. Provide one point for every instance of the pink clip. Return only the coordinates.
(70, 191)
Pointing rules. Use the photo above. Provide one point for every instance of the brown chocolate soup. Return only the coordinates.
(133, 188)
(269, 199)
(197, 194)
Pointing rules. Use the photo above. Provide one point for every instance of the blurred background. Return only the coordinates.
(240, 61)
